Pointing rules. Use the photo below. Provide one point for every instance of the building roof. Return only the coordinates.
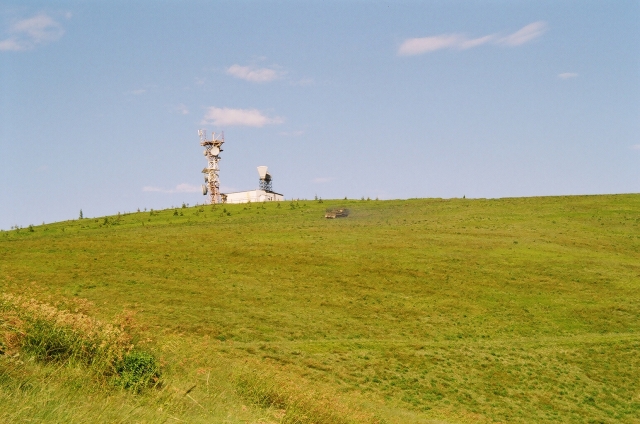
(250, 191)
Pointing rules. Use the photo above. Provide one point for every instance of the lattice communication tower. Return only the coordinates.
(265, 182)
(212, 171)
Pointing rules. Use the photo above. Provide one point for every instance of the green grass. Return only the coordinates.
(420, 310)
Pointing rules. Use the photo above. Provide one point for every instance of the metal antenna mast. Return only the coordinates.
(265, 182)
(211, 172)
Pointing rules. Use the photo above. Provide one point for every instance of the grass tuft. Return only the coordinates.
(298, 404)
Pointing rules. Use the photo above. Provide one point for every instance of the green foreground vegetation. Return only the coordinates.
(418, 311)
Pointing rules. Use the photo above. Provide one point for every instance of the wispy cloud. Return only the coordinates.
(636, 147)
(238, 117)
(138, 91)
(181, 109)
(567, 75)
(11, 44)
(415, 46)
(524, 34)
(28, 33)
(291, 133)
(180, 188)
(254, 74)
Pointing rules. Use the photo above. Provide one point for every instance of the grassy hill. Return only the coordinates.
(420, 310)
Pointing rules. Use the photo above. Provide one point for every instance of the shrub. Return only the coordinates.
(137, 370)
(52, 335)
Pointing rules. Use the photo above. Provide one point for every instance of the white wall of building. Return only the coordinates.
(253, 196)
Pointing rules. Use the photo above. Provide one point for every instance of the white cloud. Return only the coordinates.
(180, 188)
(239, 117)
(291, 133)
(567, 75)
(11, 44)
(28, 33)
(138, 91)
(253, 74)
(636, 147)
(525, 34)
(475, 42)
(415, 46)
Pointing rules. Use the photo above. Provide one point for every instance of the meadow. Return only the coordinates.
(407, 311)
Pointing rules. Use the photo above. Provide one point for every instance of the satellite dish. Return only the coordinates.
(204, 189)
(215, 151)
(262, 171)
(205, 153)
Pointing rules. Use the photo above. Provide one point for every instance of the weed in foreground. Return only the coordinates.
(52, 335)
(137, 370)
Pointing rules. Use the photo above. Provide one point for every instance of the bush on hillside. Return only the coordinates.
(137, 370)
(49, 334)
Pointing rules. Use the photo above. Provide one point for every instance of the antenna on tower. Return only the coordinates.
(212, 149)
(265, 179)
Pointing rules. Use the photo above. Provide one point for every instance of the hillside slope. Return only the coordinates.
(420, 310)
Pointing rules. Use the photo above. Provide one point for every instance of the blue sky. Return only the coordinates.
(101, 101)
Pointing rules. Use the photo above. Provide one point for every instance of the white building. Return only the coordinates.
(264, 193)
(253, 196)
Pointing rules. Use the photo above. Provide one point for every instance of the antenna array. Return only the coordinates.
(265, 182)
(212, 171)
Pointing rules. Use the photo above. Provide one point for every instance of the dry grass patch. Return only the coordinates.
(295, 402)
(49, 334)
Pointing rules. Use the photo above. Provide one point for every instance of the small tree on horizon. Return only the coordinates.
(80, 217)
